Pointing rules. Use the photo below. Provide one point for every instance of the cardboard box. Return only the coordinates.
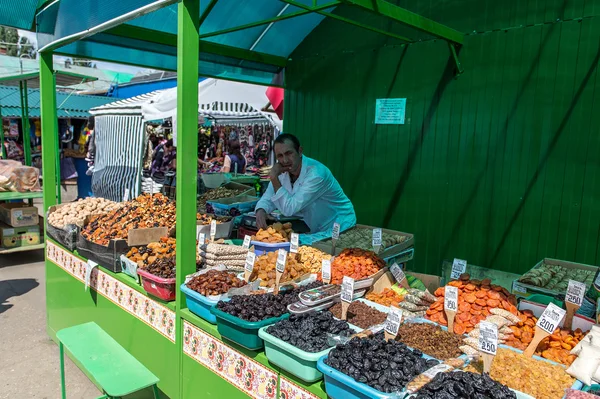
(387, 280)
(19, 214)
(13, 237)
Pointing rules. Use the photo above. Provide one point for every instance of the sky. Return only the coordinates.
(100, 65)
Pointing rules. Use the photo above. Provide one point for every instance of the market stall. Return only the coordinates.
(216, 320)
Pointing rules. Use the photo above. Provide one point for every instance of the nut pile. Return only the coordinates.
(431, 340)
(311, 258)
(308, 331)
(359, 314)
(360, 237)
(385, 366)
(162, 267)
(214, 282)
(76, 212)
(264, 269)
(145, 255)
(276, 233)
(537, 378)
(262, 306)
(460, 384)
(355, 263)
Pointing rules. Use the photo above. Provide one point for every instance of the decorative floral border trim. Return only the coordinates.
(249, 376)
(289, 390)
(154, 314)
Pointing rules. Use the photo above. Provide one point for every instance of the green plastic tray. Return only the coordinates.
(240, 331)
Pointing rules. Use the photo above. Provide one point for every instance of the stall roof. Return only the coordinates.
(68, 105)
(247, 40)
(33, 79)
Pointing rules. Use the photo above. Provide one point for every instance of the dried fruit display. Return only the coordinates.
(162, 267)
(387, 297)
(275, 233)
(461, 384)
(206, 219)
(359, 314)
(475, 300)
(308, 331)
(537, 378)
(355, 263)
(145, 255)
(361, 237)
(76, 212)
(387, 366)
(264, 269)
(311, 258)
(215, 194)
(214, 282)
(556, 277)
(431, 340)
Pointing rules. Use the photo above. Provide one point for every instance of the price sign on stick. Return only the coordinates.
(376, 240)
(573, 300)
(126, 195)
(392, 323)
(545, 326)
(459, 266)
(294, 243)
(450, 305)
(488, 343)
(213, 230)
(347, 294)
(201, 241)
(326, 270)
(335, 235)
(399, 275)
(249, 266)
(279, 268)
(246, 243)
(89, 266)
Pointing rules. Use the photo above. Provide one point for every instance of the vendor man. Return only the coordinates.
(303, 187)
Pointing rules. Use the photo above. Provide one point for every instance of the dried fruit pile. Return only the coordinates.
(355, 263)
(556, 277)
(162, 267)
(460, 384)
(475, 299)
(146, 255)
(206, 219)
(215, 194)
(275, 233)
(387, 297)
(265, 265)
(311, 258)
(360, 314)
(431, 340)
(214, 282)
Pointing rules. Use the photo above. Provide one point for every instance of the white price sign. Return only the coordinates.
(89, 266)
(201, 240)
(213, 229)
(397, 272)
(451, 298)
(281, 259)
(392, 323)
(294, 243)
(326, 269)
(376, 238)
(347, 289)
(126, 195)
(335, 233)
(246, 244)
(488, 337)
(250, 259)
(575, 292)
(551, 318)
(459, 266)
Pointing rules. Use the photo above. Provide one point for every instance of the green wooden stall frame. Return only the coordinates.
(113, 301)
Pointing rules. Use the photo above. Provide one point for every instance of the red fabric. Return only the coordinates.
(275, 96)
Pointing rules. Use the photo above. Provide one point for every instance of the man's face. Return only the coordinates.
(288, 157)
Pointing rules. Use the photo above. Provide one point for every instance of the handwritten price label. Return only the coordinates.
(250, 259)
(294, 243)
(213, 229)
(451, 298)
(392, 323)
(376, 237)
(575, 292)
(335, 233)
(551, 318)
(281, 259)
(397, 272)
(246, 244)
(347, 289)
(459, 266)
(488, 337)
(326, 269)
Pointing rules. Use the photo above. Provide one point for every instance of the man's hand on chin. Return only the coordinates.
(277, 170)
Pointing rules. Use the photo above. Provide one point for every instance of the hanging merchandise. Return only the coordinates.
(13, 129)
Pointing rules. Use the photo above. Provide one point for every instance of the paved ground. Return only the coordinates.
(29, 362)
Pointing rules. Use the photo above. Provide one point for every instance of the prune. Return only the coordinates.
(263, 306)
(460, 384)
(386, 366)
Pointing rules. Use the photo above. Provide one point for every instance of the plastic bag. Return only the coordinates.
(422, 379)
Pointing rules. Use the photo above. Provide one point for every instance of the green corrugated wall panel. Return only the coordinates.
(499, 166)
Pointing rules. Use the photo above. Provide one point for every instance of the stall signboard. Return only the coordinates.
(390, 111)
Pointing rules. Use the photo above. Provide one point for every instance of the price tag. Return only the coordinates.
(376, 238)
(392, 323)
(126, 195)
(335, 233)
(213, 229)
(246, 243)
(250, 259)
(451, 298)
(518, 288)
(347, 289)
(551, 318)
(397, 272)
(294, 243)
(201, 240)
(459, 266)
(281, 258)
(89, 266)
(326, 269)
(575, 292)
(488, 337)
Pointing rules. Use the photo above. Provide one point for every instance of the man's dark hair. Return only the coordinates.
(282, 138)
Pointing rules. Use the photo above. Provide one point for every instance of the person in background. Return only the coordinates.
(163, 157)
(303, 187)
(234, 161)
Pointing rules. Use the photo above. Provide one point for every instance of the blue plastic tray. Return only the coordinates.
(199, 304)
(263, 247)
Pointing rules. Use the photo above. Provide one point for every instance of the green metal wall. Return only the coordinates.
(500, 166)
